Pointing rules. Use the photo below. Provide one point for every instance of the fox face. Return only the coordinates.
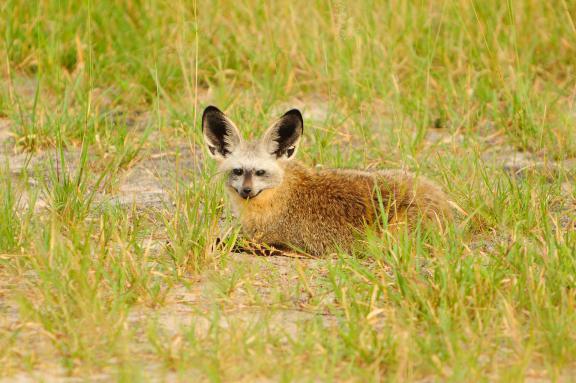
(251, 167)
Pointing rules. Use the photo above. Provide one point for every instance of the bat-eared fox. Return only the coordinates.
(286, 205)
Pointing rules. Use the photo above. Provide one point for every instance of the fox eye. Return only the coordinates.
(237, 172)
(260, 172)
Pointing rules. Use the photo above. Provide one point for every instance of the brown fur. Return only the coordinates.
(316, 210)
(284, 204)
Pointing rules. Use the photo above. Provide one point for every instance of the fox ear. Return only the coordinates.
(283, 137)
(220, 134)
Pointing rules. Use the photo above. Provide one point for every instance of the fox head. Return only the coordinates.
(251, 167)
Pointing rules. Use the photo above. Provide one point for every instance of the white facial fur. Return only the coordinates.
(251, 167)
(252, 160)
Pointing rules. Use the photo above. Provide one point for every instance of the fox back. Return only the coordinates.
(284, 204)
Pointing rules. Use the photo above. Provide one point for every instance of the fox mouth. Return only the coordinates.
(245, 196)
(249, 196)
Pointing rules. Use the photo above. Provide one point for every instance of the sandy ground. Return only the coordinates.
(148, 184)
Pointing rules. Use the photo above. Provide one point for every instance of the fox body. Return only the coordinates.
(285, 204)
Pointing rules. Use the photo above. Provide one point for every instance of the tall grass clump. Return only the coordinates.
(9, 222)
(101, 97)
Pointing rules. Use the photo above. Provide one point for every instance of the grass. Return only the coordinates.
(110, 208)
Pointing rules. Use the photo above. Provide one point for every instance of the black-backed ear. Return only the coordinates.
(220, 134)
(283, 137)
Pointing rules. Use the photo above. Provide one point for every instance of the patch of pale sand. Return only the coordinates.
(150, 181)
(37, 165)
(22, 88)
(195, 304)
(315, 108)
(519, 163)
(443, 136)
(146, 184)
(9, 316)
(140, 186)
(5, 133)
(26, 199)
(24, 342)
(18, 163)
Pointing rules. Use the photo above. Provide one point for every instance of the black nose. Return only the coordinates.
(246, 192)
